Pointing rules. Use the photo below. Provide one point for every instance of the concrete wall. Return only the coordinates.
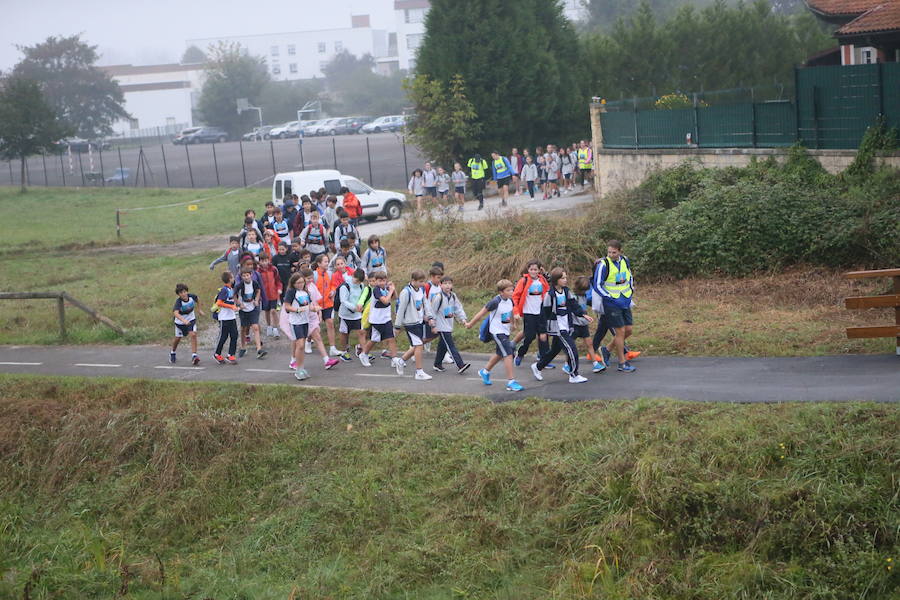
(617, 169)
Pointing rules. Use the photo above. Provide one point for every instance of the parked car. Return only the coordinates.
(375, 203)
(347, 125)
(119, 176)
(258, 134)
(326, 127)
(309, 127)
(386, 123)
(200, 135)
(291, 129)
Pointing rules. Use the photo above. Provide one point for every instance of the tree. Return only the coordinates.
(232, 74)
(521, 65)
(85, 98)
(28, 124)
(445, 126)
(193, 55)
(280, 100)
(355, 89)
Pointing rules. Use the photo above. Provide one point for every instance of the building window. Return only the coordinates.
(292, 49)
(274, 51)
(338, 46)
(867, 56)
(414, 40)
(292, 67)
(322, 65)
(321, 47)
(276, 70)
(415, 15)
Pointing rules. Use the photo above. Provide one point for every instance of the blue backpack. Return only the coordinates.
(484, 332)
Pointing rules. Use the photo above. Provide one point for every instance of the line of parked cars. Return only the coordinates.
(201, 135)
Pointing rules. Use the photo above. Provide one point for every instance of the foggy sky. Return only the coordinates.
(154, 31)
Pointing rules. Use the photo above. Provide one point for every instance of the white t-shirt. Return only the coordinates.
(379, 315)
(298, 299)
(501, 315)
(534, 295)
(562, 312)
(247, 292)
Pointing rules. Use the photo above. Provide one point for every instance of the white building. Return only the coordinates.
(304, 54)
(409, 20)
(157, 96)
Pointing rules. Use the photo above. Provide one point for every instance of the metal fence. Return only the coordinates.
(381, 160)
(833, 107)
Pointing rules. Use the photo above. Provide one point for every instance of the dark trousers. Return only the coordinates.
(227, 331)
(530, 185)
(478, 189)
(602, 329)
(447, 345)
(563, 341)
(531, 331)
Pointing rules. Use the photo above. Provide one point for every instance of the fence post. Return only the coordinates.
(302, 165)
(81, 168)
(369, 157)
(272, 151)
(102, 173)
(162, 149)
(405, 166)
(880, 89)
(635, 113)
(62, 169)
(815, 108)
(121, 168)
(334, 152)
(61, 311)
(753, 123)
(243, 170)
(216, 164)
(190, 171)
(159, 135)
(44, 160)
(118, 224)
(11, 180)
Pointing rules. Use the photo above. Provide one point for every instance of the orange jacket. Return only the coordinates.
(521, 290)
(323, 283)
(271, 283)
(352, 205)
(337, 278)
(272, 250)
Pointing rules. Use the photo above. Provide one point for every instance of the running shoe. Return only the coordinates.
(577, 379)
(242, 352)
(276, 333)
(448, 360)
(423, 376)
(567, 369)
(172, 357)
(514, 386)
(195, 360)
(536, 372)
(308, 348)
(219, 359)
(292, 365)
(599, 367)
(246, 339)
(439, 368)
(334, 351)
(605, 351)
(631, 355)
(261, 353)
(358, 349)
(464, 368)
(550, 366)
(398, 365)
(386, 354)
(331, 362)
(485, 376)
(364, 360)
(518, 360)
(346, 357)
(231, 360)
(301, 374)
(626, 368)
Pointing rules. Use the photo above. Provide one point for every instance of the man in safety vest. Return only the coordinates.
(585, 162)
(477, 167)
(502, 172)
(613, 291)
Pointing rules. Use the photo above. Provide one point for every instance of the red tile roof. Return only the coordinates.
(884, 17)
(843, 7)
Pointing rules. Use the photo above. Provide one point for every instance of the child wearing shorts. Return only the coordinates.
(186, 305)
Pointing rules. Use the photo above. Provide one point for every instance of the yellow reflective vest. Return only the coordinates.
(477, 168)
(618, 280)
(584, 159)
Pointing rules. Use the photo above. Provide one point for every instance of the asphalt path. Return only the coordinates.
(804, 379)
(220, 165)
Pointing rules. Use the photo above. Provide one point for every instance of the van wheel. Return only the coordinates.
(393, 210)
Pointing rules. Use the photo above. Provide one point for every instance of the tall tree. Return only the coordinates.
(280, 100)
(232, 74)
(520, 62)
(354, 88)
(445, 126)
(85, 98)
(28, 124)
(193, 55)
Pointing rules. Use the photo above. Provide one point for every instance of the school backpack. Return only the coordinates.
(321, 232)
(484, 332)
(214, 311)
(337, 298)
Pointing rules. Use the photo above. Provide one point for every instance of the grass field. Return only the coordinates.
(141, 489)
(798, 312)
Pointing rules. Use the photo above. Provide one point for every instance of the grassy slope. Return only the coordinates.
(251, 492)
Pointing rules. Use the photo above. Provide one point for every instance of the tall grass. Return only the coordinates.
(229, 491)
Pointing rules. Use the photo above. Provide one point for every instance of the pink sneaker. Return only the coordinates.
(331, 362)
(293, 365)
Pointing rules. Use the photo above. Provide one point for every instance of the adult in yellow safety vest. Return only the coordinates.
(612, 291)
(502, 172)
(477, 167)
(585, 162)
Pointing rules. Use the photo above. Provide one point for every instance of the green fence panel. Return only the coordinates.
(618, 129)
(890, 86)
(776, 124)
(665, 128)
(725, 126)
(837, 104)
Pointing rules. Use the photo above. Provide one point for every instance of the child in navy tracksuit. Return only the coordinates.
(559, 308)
(446, 307)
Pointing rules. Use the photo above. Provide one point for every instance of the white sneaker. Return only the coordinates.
(309, 347)
(364, 359)
(422, 375)
(398, 364)
(276, 333)
(536, 372)
(428, 347)
(577, 379)
(448, 360)
(334, 351)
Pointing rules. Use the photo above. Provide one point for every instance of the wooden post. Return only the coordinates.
(897, 312)
(118, 225)
(61, 309)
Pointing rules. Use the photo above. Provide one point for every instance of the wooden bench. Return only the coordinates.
(883, 301)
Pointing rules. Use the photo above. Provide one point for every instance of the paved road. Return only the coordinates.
(807, 379)
(351, 152)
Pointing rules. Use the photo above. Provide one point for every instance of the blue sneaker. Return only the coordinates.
(172, 357)
(626, 368)
(514, 386)
(485, 376)
(550, 366)
(517, 360)
(605, 353)
(567, 369)
(599, 367)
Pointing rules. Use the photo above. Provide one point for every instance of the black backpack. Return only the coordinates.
(337, 298)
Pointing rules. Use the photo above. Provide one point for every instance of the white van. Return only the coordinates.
(375, 203)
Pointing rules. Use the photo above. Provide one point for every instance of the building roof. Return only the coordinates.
(884, 17)
(833, 8)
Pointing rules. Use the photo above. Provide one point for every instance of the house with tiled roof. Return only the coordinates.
(868, 31)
